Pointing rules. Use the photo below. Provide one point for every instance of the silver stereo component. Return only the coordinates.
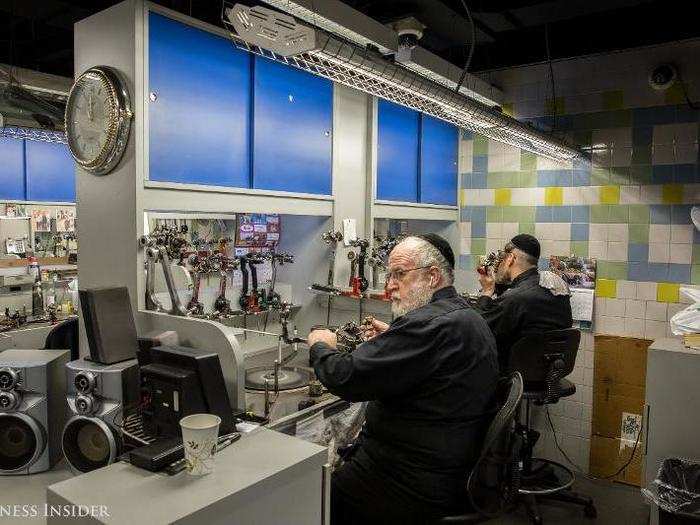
(98, 396)
(32, 413)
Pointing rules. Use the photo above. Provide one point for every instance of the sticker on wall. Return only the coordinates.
(41, 220)
(15, 210)
(630, 428)
(65, 220)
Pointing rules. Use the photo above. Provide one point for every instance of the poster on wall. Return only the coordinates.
(65, 220)
(579, 273)
(15, 210)
(41, 220)
(257, 230)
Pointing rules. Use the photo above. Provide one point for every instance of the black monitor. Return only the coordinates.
(178, 381)
(109, 324)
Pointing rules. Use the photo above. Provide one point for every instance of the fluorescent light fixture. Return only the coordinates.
(347, 63)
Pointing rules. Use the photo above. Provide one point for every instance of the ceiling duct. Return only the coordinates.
(346, 62)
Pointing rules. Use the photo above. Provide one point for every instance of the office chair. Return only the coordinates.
(64, 336)
(493, 482)
(544, 360)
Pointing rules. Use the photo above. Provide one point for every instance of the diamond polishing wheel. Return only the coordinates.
(290, 377)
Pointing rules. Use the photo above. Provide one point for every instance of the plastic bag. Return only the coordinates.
(687, 321)
(676, 488)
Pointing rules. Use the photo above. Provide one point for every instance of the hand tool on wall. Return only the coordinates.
(360, 284)
(253, 260)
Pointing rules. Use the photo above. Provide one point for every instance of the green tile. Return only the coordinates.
(600, 213)
(621, 118)
(549, 106)
(612, 100)
(511, 179)
(481, 145)
(511, 213)
(528, 161)
(639, 213)
(494, 214)
(579, 248)
(527, 227)
(695, 274)
(599, 120)
(582, 138)
(619, 213)
(600, 176)
(494, 179)
(478, 246)
(620, 176)
(696, 253)
(528, 179)
(611, 270)
(641, 155)
(639, 233)
(527, 213)
(640, 174)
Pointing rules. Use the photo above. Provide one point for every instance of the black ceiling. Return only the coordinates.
(37, 34)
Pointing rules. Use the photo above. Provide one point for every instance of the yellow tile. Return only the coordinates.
(610, 194)
(462, 198)
(508, 108)
(675, 94)
(606, 288)
(667, 292)
(672, 193)
(553, 196)
(502, 197)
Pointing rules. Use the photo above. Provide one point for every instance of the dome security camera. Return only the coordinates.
(663, 77)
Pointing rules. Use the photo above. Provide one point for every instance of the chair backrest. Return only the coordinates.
(490, 482)
(64, 336)
(533, 354)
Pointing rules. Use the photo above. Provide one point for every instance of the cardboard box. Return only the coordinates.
(618, 404)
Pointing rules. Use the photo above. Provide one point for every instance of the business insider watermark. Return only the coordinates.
(54, 511)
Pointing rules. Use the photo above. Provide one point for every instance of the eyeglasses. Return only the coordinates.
(400, 274)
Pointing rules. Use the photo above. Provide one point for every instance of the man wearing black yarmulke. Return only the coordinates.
(517, 301)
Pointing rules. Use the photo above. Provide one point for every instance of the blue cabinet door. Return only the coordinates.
(199, 122)
(292, 125)
(397, 152)
(50, 172)
(438, 178)
(12, 169)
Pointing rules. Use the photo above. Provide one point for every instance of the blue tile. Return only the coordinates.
(467, 135)
(638, 252)
(685, 174)
(546, 178)
(466, 181)
(642, 135)
(580, 214)
(563, 178)
(654, 115)
(561, 214)
(658, 272)
(565, 122)
(680, 214)
(662, 174)
(581, 164)
(638, 271)
(579, 232)
(480, 163)
(544, 123)
(478, 180)
(679, 273)
(465, 214)
(479, 214)
(581, 178)
(660, 214)
(686, 114)
(543, 264)
(478, 229)
(465, 262)
(543, 214)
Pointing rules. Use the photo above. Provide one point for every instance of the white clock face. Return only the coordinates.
(91, 117)
(97, 120)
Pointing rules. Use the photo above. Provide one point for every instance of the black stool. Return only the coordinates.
(544, 360)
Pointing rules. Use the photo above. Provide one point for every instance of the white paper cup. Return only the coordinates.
(200, 433)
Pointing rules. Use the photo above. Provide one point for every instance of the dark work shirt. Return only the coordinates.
(522, 309)
(430, 381)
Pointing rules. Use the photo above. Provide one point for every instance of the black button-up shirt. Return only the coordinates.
(430, 381)
(524, 308)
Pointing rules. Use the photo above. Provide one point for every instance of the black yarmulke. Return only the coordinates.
(528, 244)
(441, 245)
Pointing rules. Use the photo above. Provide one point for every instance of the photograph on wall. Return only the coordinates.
(65, 220)
(257, 230)
(579, 273)
(41, 220)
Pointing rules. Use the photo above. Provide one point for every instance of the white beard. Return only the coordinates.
(416, 298)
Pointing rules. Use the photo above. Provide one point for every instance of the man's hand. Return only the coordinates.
(487, 282)
(374, 329)
(323, 336)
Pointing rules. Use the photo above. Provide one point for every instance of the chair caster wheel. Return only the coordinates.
(590, 511)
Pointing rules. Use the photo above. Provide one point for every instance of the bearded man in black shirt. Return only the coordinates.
(429, 377)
